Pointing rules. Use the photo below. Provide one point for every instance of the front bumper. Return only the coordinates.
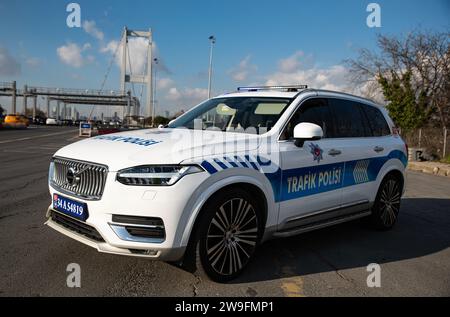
(165, 202)
(152, 252)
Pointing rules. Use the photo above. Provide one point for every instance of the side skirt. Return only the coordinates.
(324, 218)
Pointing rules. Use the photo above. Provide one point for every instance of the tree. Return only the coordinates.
(404, 108)
(413, 72)
(161, 120)
(2, 110)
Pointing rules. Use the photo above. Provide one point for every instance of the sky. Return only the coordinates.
(258, 42)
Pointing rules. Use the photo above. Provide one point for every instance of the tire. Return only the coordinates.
(386, 207)
(228, 233)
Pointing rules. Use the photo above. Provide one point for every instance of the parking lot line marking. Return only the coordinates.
(292, 289)
(35, 137)
(291, 286)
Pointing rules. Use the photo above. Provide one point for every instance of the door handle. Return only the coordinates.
(334, 152)
(378, 149)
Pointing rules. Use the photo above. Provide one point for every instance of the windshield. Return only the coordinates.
(236, 114)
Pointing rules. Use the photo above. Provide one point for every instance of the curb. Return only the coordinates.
(430, 168)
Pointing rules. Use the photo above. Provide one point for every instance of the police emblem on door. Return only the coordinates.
(316, 151)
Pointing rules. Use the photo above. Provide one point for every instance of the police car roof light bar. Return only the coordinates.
(287, 88)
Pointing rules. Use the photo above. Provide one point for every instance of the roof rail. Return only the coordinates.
(291, 88)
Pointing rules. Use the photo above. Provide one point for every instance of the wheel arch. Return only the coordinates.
(396, 172)
(251, 184)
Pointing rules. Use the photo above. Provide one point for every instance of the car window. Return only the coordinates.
(234, 114)
(314, 111)
(377, 122)
(348, 118)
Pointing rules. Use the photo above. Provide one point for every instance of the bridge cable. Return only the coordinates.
(113, 57)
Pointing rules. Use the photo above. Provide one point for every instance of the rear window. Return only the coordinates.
(349, 119)
(377, 121)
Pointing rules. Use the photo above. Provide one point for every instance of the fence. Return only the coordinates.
(433, 140)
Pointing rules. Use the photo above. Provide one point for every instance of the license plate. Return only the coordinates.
(70, 207)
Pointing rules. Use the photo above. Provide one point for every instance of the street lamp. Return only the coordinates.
(212, 41)
(155, 61)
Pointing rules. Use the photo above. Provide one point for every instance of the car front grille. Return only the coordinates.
(86, 180)
(76, 226)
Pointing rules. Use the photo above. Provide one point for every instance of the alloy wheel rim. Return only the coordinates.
(390, 202)
(232, 236)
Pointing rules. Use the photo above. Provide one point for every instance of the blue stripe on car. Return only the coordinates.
(222, 165)
(247, 157)
(208, 167)
(299, 182)
(240, 161)
(229, 161)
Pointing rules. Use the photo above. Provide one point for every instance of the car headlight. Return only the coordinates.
(51, 170)
(151, 175)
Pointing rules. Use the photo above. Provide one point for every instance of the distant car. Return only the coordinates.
(115, 123)
(67, 122)
(39, 120)
(16, 121)
(52, 121)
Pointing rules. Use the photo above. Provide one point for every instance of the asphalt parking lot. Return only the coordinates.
(414, 256)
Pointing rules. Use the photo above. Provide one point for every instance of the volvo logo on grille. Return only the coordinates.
(73, 178)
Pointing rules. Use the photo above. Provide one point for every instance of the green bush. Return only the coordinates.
(446, 159)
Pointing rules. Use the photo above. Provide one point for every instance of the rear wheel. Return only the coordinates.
(229, 232)
(387, 204)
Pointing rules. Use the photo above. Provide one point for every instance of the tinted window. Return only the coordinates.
(377, 122)
(348, 118)
(314, 111)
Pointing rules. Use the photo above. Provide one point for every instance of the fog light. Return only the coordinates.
(144, 252)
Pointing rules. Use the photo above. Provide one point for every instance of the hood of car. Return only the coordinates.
(157, 147)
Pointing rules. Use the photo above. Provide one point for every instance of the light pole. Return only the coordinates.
(212, 41)
(155, 60)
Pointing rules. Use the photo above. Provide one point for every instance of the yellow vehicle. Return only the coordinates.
(16, 121)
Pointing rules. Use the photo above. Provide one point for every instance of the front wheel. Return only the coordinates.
(229, 232)
(387, 204)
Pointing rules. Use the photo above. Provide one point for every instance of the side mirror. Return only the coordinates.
(306, 131)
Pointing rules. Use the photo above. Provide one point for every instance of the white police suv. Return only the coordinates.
(232, 172)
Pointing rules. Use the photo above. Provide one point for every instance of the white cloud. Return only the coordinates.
(8, 64)
(72, 54)
(87, 46)
(110, 47)
(186, 97)
(298, 69)
(243, 70)
(90, 27)
(332, 78)
(164, 83)
(294, 62)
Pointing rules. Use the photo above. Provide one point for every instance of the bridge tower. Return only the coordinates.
(127, 75)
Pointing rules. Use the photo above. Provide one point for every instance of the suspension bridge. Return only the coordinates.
(67, 97)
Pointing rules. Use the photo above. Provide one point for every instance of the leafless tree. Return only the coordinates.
(426, 55)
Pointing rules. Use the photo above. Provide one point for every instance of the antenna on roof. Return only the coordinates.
(291, 88)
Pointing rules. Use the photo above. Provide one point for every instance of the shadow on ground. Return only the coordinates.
(422, 229)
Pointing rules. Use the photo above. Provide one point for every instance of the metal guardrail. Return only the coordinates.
(68, 92)
(6, 85)
(76, 92)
